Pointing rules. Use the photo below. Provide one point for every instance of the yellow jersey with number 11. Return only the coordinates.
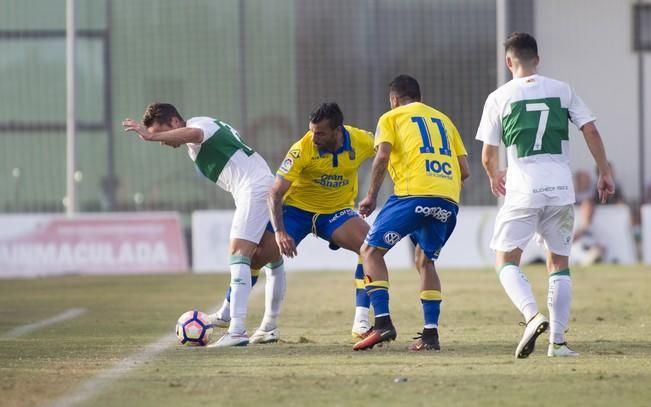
(425, 145)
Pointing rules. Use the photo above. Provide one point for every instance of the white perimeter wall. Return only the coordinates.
(589, 43)
(468, 246)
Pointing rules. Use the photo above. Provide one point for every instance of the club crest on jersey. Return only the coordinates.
(391, 238)
(286, 165)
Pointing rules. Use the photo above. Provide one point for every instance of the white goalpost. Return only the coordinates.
(71, 158)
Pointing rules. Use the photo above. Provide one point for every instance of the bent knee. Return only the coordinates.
(240, 247)
(422, 262)
(369, 251)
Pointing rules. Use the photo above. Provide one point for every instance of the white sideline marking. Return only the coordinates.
(29, 328)
(91, 387)
(95, 385)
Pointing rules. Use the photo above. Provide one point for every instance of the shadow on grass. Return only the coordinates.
(305, 346)
(484, 353)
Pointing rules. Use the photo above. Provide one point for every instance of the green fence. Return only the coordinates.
(259, 65)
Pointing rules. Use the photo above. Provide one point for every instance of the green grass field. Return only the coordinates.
(314, 364)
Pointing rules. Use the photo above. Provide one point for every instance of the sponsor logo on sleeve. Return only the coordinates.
(287, 165)
(295, 153)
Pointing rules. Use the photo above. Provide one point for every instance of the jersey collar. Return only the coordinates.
(346, 146)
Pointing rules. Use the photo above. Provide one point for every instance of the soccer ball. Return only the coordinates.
(193, 328)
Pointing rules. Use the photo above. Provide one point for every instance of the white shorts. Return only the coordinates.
(251, 216)
(514, 228)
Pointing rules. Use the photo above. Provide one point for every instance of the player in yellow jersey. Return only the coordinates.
(315, 191)
(427, 161)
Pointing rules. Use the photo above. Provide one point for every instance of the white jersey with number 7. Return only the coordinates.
(530, 116)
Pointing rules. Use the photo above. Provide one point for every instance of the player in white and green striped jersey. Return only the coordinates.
(530, 114)
(223, 157)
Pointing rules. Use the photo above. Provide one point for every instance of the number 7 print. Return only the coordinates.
(542, 122)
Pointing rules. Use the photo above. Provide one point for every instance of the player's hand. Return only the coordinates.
(286, 244)
(498, 183)
(367, 206)
(605, 187)
(136, 127)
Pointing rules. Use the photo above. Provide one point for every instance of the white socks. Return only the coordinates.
(361, 314)
(240, 267)
(559, 299)
(518, 289)
(275, 287)
(225, 311)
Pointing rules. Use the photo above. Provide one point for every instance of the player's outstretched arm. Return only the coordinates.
(378, 172)
(285, 242)
(172, 138)
(605, 182)
(489, 159)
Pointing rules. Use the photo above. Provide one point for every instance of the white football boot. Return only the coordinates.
(231, 339)
(217, 321)
(560, 350)
(262, 336)
(536, 325)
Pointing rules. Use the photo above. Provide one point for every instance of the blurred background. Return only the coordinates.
(263, 65)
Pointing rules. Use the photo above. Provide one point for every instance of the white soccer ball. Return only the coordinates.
(193, 328)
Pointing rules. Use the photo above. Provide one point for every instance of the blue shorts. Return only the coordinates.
(429, 222)
(298, 223)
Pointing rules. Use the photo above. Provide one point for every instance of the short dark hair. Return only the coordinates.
(523, 46)
(405, 87)
(161, 113)
(328, 111)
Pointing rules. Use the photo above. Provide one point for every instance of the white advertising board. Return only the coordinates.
(613, 230)
(210, 242)
(468, 246)
(646, 234)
